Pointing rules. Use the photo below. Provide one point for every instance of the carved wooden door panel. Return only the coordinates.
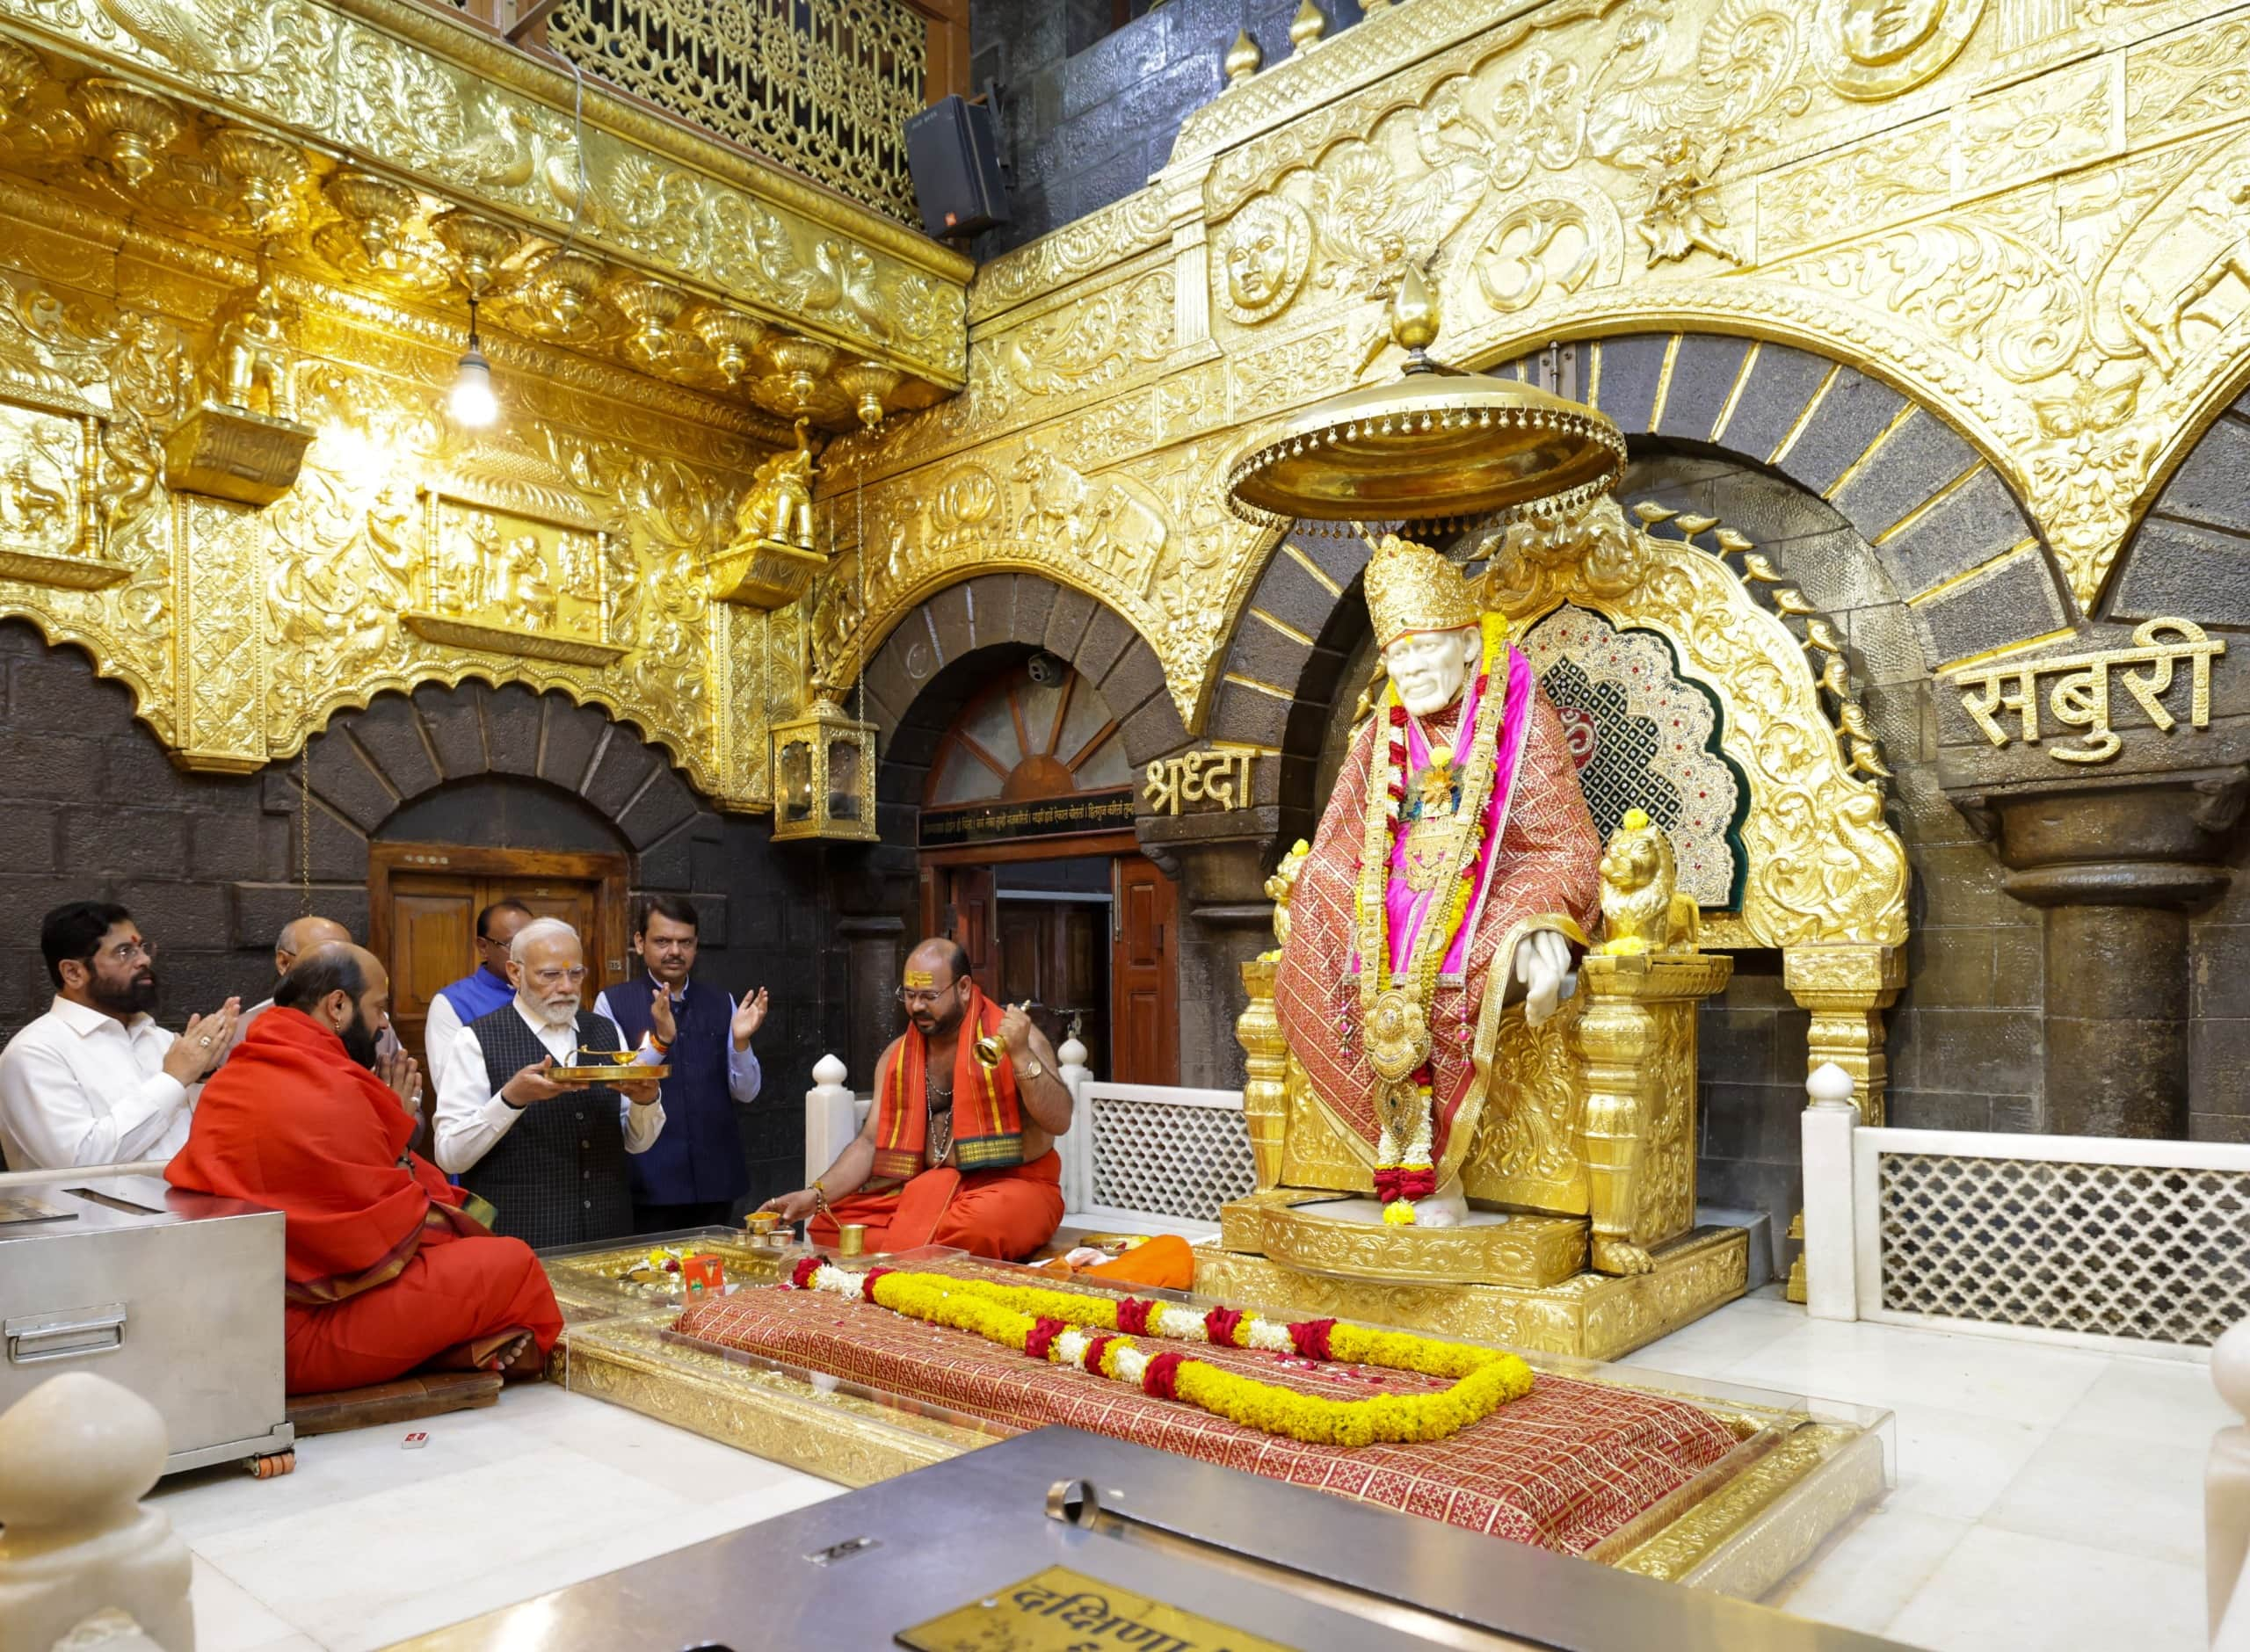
(959, 902)
(1055, 954)
(1143, 976)
(432, 923)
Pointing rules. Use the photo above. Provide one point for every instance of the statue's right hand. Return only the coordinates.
(794, 1206)
(1542, 961)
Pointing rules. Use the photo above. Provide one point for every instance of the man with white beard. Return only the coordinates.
(549, 1156)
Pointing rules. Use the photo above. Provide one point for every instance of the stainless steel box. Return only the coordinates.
(176, 1296)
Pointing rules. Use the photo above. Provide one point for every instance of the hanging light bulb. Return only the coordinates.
(472, 403)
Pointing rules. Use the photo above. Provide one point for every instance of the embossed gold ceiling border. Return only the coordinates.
(370, 77)
(1972, 239)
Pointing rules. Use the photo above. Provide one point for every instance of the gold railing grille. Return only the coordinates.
(825, 86)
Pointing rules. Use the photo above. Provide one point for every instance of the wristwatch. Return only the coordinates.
(1034, 1071)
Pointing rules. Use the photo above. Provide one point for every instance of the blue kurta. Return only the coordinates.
(698, 1159)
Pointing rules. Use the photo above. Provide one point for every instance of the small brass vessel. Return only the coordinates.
(850, 1238)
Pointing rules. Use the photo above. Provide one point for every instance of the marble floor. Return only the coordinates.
(2047, 1498)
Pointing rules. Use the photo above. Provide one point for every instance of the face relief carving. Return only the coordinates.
(1432, 667)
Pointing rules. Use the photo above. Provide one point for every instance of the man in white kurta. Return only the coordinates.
(546, 1153)
(95, 1080)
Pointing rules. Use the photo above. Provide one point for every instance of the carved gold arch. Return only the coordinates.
(2034, 221)
(1825, 866)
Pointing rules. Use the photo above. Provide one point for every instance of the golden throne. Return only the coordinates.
(1581, 1170)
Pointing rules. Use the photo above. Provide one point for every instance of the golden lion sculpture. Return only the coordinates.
(1641, 909)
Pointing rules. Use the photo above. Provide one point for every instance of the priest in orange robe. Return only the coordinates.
(386, 1271)
(954, 1152)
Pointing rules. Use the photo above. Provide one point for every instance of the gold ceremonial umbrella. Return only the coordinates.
(1438, 447)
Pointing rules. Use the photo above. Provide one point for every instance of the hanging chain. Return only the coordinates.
(860, 573)
(305, 830)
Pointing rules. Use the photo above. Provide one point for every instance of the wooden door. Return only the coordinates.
(958, 902)
(432, 924)
(1054, 955)
(1143, 976)
(422, 901)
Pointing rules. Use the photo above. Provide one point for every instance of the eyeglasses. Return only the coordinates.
(126, 952)
(921, 1000)
(559, 977)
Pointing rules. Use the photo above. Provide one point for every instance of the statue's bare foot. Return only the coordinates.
(1446, 1208)
(1614, 1256)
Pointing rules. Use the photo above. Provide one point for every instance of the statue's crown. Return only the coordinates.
(1412, 588)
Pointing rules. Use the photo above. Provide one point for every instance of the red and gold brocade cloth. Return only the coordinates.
(1547, 864)
(1564, 1468)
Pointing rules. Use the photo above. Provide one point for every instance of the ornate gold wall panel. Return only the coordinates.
(430, 101)
(564, 551)
(2031, 216)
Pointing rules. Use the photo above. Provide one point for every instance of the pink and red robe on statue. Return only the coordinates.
(1540, 861)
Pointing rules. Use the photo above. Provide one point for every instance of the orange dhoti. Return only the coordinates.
(1004, 1214)
(459, 1303)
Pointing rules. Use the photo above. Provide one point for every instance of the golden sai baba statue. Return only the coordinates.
(1465, 1113)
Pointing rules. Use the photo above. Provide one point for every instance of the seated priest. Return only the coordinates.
(303, 935)
(550, 1156)
(954, 1152)
(387, 1273)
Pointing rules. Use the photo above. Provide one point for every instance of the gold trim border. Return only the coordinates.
(1528, 1251)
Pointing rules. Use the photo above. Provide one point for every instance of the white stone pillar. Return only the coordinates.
(77, 1454)
(1075, 1149)
(830, 1121)
(1831, 1291)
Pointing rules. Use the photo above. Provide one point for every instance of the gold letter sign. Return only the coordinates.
(1221, 779)
(2080, 700)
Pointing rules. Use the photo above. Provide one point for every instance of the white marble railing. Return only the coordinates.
(82, 1565)
(2226, 1496)
(2092, 1240)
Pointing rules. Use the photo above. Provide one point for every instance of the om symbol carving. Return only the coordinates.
(1548, 247)
(1878, 48)
(1263, 254)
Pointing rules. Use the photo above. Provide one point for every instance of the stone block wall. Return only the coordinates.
(209, 863)
(1965, 1039)
(1088, 112)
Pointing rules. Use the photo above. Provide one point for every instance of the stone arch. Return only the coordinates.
(368, 767)
(2190, 556)
(937, 654)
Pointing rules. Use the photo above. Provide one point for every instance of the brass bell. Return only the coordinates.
(988, 1050)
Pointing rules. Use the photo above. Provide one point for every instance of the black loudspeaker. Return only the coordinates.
(954, 157)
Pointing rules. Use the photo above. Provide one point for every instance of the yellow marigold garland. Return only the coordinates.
(1065, 1326)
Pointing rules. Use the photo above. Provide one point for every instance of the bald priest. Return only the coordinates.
(386, 1271)
(954, 1152)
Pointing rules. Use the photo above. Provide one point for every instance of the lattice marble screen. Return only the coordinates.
(1166, 1159)
(2157, 1254)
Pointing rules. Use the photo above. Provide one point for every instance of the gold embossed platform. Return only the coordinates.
(1797, 1474)
(1591, 1315)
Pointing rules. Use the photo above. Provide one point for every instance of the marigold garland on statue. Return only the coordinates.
(1053, 1326)
(1404, 1167)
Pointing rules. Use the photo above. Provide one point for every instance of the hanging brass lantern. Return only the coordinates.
(824, 776)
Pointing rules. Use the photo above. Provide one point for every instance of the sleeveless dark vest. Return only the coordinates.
(698, 1159)
(559, 1176)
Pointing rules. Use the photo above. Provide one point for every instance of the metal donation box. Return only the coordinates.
(176, 1296)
